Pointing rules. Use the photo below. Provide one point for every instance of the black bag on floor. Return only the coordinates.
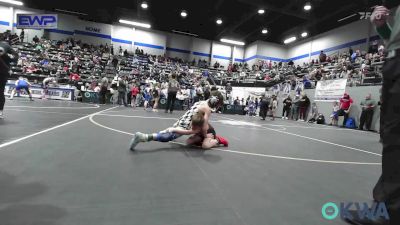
(320, 119)
(312, 120)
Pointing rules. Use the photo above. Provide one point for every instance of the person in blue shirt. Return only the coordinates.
(205, 73)
(353, 57)
(147, 99)
(306, 82)
(21, 84)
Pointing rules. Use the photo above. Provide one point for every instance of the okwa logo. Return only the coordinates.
(363, 211)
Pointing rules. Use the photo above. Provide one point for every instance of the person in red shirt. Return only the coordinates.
(230, 68)
(345, 106)
(134, 93)
(74, 77)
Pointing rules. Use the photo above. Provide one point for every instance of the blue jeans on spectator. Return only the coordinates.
(294, 113)
(122, 98)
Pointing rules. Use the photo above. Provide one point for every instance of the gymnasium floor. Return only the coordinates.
(69, 163)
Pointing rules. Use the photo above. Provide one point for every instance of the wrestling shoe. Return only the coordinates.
(222, 140)
(137, 137)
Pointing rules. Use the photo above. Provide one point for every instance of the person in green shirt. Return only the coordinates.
(390, 33)
(368, 106)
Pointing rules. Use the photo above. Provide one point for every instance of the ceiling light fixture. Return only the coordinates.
(219, 21)
(232, 41)
(264, 31)
(307, 6)
(261, 11)
(12, 2)
(184, 13)
(137, 24)
(304, 34)
(144, 5)
(289, 40)
(70, 12)
(185, 33)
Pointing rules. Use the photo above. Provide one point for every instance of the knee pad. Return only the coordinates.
(166, 137)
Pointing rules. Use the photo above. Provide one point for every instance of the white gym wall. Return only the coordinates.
(179, 46)
(200, 46)
(271, 50)
(122, 37)
(5, 18)
(333, 38)
(221, 53)
(238, 54)
(81, 33)
(66, 28)
(250, 53)
(152, 38)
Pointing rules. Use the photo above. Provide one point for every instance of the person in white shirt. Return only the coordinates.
(164, 85)
(273, 106)
(45, 85)
(334, 116)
